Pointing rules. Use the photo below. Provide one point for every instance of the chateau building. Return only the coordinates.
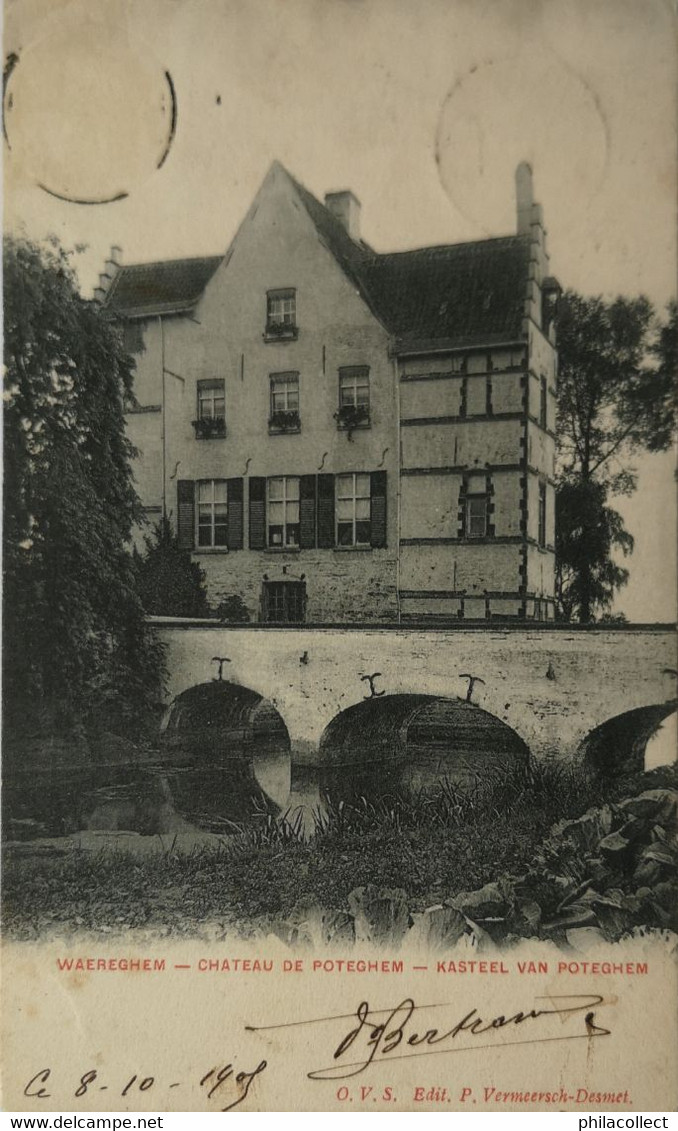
(342, 435)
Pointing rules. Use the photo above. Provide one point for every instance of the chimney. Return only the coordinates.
(111, 268)
(524, 198)
(112, 264)
(539, 301)
(345, 207)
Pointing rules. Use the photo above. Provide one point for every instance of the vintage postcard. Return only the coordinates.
(339, 681)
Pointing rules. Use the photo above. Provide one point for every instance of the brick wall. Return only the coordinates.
(341, 585)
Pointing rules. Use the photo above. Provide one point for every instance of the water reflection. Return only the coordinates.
(68, 799)
(216, 776)
(163, 794)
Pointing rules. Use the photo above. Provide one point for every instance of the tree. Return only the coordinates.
(587, 533)
(616, 394)
(654, 400)
(170, 584)
(75, 640)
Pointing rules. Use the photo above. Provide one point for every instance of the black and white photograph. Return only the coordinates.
(340, 509)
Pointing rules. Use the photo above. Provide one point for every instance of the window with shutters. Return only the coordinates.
(353, 509)
(284, 409)
(283, 601)
(283, 512)
(212, 512)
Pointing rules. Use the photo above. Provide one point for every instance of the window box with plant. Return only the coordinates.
(280, 331)
(281, 315)
(209, 427)
(352, 416)
(285, 420)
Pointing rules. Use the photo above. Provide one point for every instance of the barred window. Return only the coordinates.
(284, 601)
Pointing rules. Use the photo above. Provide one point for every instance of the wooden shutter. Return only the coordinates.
(325, 512)
(307, 512)
(257, 513)
(234, 488)
(186, 513)
(378, 509)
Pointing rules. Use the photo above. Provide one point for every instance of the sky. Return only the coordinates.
(423, 108)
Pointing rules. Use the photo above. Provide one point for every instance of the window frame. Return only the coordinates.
(354, 373)
(284, 501)
(289, 589)
(543, 402)
(282, 322)
(214, 526)
(476, 497)
(217, 387)
(355, 498)
(541, 515)
(287, 418)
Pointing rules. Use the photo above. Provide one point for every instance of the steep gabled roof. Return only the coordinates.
(170, 287)
(351, 256)
(458, 293)
(452, 294)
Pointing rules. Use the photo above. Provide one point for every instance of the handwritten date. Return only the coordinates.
(220, 1083)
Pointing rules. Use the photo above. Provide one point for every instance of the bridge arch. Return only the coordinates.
(413, 742)
(619, 744)
(663, 744)
(217, 713)
(226, 753)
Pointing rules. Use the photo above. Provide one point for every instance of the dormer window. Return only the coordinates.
(281, 315)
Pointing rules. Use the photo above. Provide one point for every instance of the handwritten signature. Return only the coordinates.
(371, 1039)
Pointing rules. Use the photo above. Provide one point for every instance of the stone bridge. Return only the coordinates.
(564, 691)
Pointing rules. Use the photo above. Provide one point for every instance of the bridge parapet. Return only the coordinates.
(552, 684)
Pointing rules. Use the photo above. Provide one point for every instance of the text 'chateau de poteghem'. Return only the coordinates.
(342, 435)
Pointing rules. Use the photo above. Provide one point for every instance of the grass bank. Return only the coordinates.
(430, 847)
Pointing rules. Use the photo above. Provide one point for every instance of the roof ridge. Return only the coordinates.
(168, 262)
(471, 289)
(449, 246)
(352, 256)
